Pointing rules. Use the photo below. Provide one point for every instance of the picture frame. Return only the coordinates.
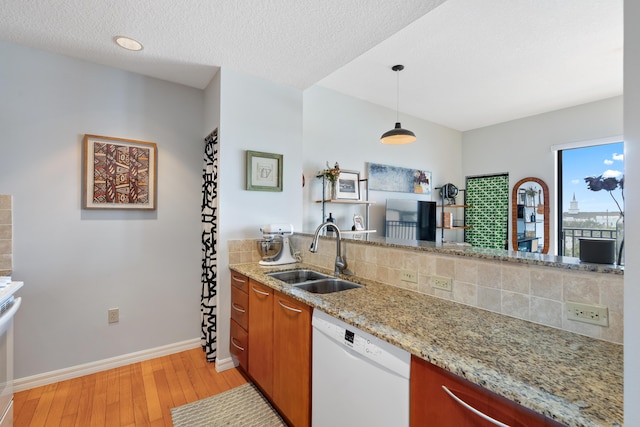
(358, 223)
(119, 173)
(264, 171)
(348, 185)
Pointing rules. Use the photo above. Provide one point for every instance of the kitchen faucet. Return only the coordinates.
(341, 264)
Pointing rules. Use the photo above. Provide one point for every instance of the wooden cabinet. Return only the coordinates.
(278, 332)
(292, 359)
(238, 342)
(261, 335)
(431, 405)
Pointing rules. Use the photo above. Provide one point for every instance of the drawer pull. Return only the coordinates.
(238, 279)
(258, 291)
(289, 308)
(233, 342)
(238, 308)
(472, 409)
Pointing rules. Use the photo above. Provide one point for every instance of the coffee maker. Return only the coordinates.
(274, 247)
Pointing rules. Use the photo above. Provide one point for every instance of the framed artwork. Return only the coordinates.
(399, 179)
(264, 171)
(348, 185)
(119, 173)
(358, 223)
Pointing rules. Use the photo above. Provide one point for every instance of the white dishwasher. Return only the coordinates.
(357, 379)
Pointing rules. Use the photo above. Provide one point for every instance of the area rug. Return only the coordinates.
(240, 406)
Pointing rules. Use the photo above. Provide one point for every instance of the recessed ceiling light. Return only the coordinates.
(128, 43)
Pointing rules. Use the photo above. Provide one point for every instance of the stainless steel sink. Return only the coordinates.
(298, 276)
(327, 286)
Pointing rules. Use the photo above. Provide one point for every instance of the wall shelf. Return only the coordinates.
(365, 202)
(347, 202)
(442, 206)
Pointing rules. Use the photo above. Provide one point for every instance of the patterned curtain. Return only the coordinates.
(489, 217)
(209, 245)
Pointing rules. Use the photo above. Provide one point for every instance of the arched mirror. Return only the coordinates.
(530, 216)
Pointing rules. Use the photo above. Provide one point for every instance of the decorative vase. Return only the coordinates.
(620, 240)
(331, 190)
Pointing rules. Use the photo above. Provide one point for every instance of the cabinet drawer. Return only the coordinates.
(239, 344)
(432, 405)
(239, 281)
(240, 307)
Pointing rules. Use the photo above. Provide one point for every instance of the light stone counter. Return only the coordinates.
(567, 377)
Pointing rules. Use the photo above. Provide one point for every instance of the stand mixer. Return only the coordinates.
(274, 247)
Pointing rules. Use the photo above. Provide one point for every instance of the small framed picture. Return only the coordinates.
(358, 223)
(264, 171)
(348, 185)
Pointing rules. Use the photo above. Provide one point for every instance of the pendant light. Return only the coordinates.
(397, 135)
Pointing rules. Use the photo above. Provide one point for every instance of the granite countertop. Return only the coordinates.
(573, 379)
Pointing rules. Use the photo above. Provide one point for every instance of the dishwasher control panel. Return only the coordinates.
(363, 343)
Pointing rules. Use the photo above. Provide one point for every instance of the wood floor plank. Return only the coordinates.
(44, 404)
(112, 410)
(140, 394)
(173, 383)
(183, 377)
(85, 402)
(127, 416)
(99, 403)
(56, 411)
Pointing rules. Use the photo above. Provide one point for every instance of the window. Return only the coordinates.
(585, 212)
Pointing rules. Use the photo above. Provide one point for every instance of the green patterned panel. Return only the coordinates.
(489, 216)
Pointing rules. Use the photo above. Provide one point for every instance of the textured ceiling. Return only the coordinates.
(294, 42)
(468, 63)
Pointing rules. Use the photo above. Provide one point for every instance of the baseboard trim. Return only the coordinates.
(224, 364)
(46, 378)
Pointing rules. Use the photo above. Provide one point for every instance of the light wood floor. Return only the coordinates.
(135, 395)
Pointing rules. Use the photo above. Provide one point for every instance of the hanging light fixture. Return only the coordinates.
(397, 135)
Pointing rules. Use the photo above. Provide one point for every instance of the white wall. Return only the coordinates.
(339, 128)
(632, 208)
(77, 263)
(261, 116)
(522, 147)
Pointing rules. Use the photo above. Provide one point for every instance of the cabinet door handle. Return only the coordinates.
(472, 409)
(238, 308)
(289, 308)
(258, 291)
(233, 342)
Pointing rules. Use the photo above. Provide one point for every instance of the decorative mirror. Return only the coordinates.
(530, 216)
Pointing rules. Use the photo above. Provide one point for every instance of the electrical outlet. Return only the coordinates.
(114, 315)
(409, 276)
(588, 313)
(441, 282)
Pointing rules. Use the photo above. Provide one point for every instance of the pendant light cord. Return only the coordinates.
(398, 96)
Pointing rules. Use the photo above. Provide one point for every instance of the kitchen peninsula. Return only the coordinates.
(571, 378)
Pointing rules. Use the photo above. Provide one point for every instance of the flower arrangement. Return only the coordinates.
(419, 177)
(331, 174)
(597, 183)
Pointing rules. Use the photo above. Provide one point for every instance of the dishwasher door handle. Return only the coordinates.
(472, 409)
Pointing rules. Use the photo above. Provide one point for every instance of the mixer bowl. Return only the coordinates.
(269, 248)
